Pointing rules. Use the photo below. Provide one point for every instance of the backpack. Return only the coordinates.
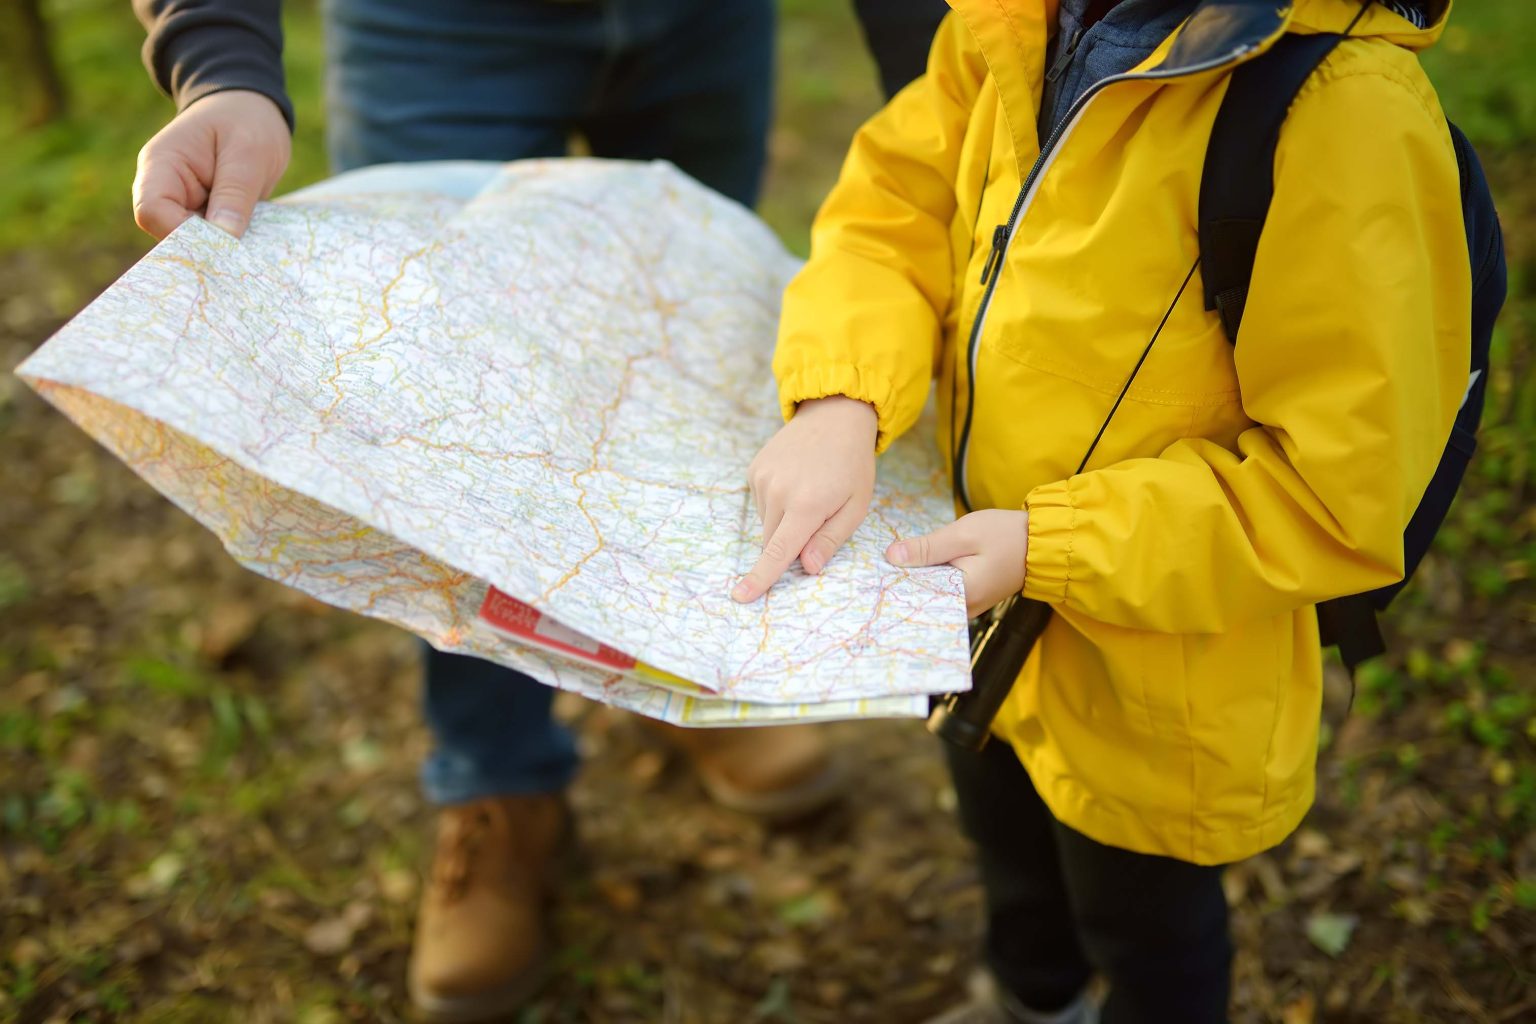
(1236, 187)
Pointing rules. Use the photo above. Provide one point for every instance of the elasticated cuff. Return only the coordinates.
(1052, 519)
(829, 379)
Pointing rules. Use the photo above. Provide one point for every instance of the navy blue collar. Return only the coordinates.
(1222, 30)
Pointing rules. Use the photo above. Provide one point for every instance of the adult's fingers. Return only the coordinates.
(834, 533)
(779, 553)
(238, 182)
(160, 200)
(940, 547)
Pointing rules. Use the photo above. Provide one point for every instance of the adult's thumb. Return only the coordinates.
(236, 186)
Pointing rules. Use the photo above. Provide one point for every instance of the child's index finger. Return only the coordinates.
(779, 553)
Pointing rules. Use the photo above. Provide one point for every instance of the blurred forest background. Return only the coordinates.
(208, 804)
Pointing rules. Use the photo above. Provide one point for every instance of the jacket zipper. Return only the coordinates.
(954, 380)
(1003, 234)
(1064, 57)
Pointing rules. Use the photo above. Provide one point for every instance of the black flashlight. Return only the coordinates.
(1001, 641)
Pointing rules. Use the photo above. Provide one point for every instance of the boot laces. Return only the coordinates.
(462, 836)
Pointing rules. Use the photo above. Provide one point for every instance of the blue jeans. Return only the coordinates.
(688, 81)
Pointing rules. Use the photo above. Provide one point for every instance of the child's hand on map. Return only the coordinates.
(990, 547)
(219, 156)
(812, 482)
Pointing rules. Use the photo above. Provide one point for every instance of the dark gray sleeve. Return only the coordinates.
(199, 47)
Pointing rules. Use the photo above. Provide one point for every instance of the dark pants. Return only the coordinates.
(1060, 906)
(682, 80)
(899, 34)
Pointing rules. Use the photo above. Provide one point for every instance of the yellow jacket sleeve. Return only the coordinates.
(863, 317)
(1352, 363)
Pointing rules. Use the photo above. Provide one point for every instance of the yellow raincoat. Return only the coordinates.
(1172, 706)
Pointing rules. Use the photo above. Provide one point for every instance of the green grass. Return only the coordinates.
(74, 186)
(1483, 68)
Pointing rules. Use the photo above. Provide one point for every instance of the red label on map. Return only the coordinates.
(510, 615)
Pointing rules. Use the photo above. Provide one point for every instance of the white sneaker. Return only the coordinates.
(989, 1005)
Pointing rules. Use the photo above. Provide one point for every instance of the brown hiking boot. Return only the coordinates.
(481, 938)
(778, 773)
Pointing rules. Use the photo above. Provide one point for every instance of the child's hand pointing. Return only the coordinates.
(990, 547)
(812, 482)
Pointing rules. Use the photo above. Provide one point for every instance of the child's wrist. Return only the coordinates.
(841, 414)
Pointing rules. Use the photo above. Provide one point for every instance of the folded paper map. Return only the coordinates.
(510, 408)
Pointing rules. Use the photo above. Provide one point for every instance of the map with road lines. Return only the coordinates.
(415, 386)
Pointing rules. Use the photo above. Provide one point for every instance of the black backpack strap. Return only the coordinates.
(1236, 188)
(1351, 623)
(1239, 177)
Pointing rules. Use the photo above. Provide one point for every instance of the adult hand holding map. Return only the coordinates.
(511, 408)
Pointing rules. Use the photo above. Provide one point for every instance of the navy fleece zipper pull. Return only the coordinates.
(1064, 56)
(995, 257)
